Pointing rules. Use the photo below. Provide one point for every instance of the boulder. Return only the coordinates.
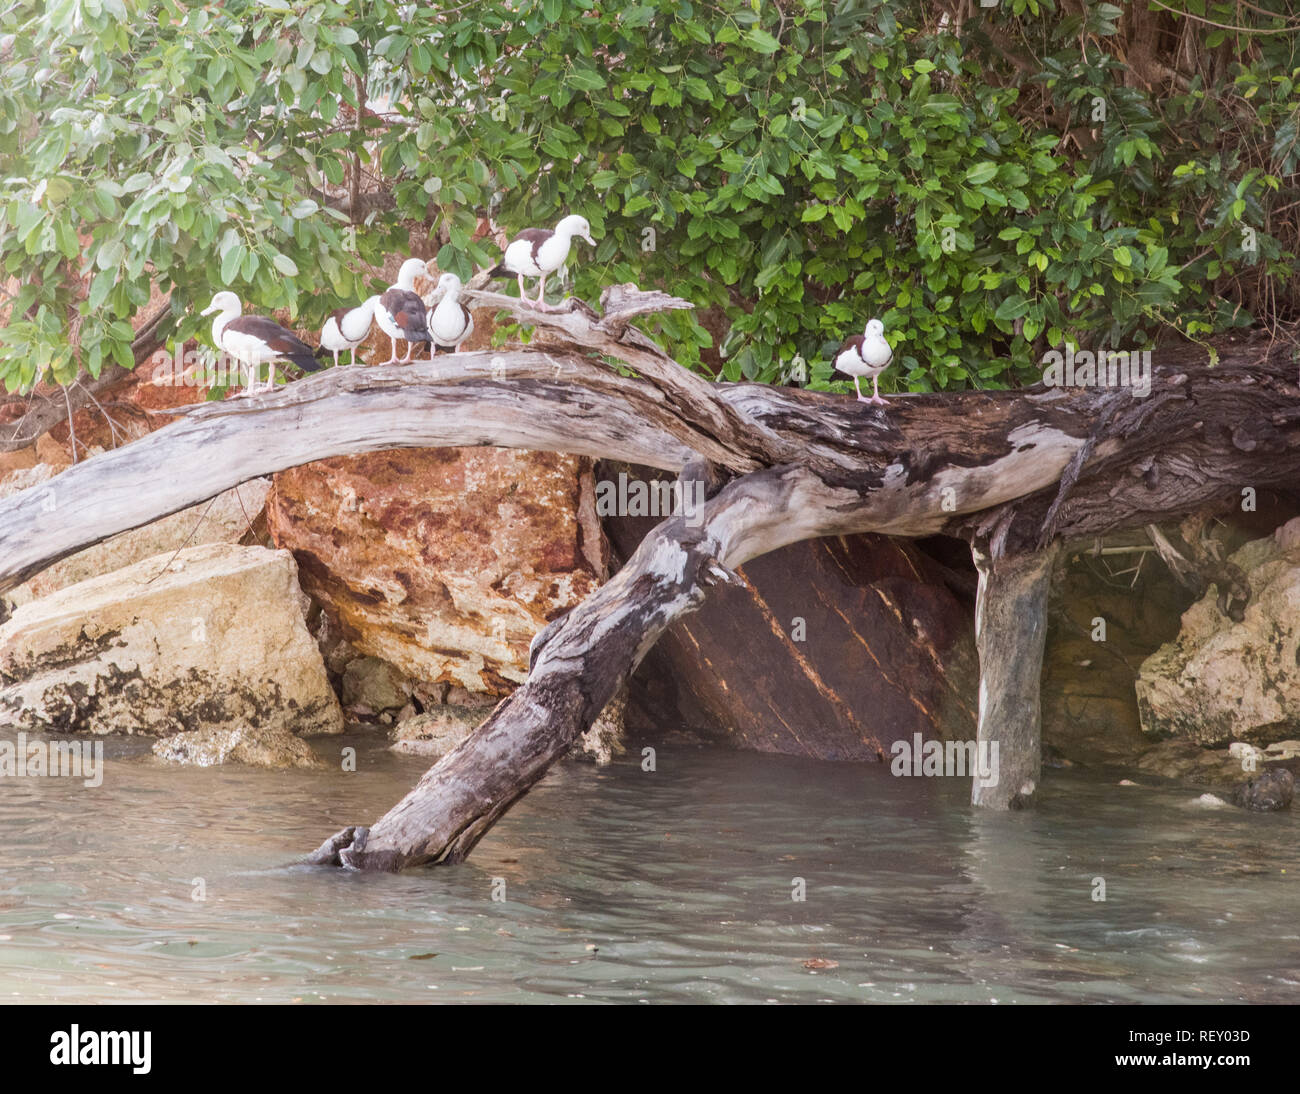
(443, 562)
(1220, 681)
(435, 732)
(261, 746)
(1266, 793)
(372, 686)
(210, 636)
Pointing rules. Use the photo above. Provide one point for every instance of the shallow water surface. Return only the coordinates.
(626, 885)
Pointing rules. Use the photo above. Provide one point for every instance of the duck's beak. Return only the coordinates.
(587, 237)
(210, 309)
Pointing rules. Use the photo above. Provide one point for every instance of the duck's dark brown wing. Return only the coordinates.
(408, 313)
(535, 236)
(286, 345)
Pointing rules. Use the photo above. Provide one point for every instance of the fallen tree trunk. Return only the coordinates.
(1012, 472)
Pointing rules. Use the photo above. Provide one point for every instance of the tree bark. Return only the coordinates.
(1015, 473)
(1010, 631)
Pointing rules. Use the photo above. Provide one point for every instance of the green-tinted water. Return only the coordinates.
(658, 887)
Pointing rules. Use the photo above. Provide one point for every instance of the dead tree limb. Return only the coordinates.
(1013, 472)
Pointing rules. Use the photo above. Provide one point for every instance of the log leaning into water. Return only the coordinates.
(1013, 472)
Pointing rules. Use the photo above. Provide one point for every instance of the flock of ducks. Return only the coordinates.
(402, 315)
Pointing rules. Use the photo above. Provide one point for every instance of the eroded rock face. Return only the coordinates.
(211, 637)
(833, 648)
(1220, 681)
(443, 562)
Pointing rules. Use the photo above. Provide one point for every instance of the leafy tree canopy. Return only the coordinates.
(989, 181)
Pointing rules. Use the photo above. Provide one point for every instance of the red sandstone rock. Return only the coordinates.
(442, 562)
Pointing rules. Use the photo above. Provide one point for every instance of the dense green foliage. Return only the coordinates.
(989, 189)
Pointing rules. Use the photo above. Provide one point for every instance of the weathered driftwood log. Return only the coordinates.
(1012, 471)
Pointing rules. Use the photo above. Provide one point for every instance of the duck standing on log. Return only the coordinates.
(401, 314)
(451, 323)
(347, 328)
(253, 340)
(538, 252)
(866, 355)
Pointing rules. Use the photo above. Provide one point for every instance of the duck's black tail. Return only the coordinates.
(308, 359)
(499, 270)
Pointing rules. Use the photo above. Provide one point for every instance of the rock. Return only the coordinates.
(832, 648)
(210, 637)
(24, 478)
(1267, 792)
(443, 562)
(1211, 801)
(606, 738)
(436, 732)
(228, 518)
(264, 746)
(372, 686)
(1100, 628)
(1219, 680)
(1189, 762)
(1282, 750)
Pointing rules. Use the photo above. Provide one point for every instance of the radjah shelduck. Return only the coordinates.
(347, 328)
(539, 252)
(400, 312)
(451, 323)
(253, 340)
(866, 355)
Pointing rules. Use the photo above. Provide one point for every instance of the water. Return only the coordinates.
(623, 885)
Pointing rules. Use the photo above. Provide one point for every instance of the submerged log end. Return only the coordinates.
(340, 848)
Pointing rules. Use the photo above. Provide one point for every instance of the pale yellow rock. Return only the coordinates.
(212, 636)
(267, 746)
(1221, 681)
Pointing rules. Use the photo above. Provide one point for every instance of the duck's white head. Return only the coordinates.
(575, 225)
(875, 328)
(223, 301)
(449, 282)
(411, 269)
